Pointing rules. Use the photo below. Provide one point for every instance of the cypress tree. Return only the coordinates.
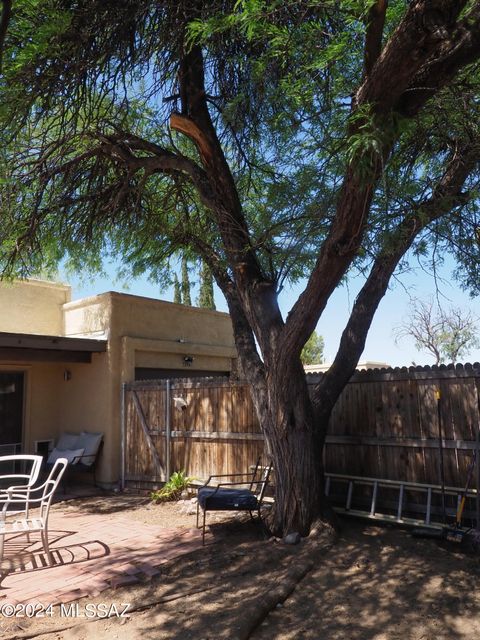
(177, 292)
(186, 298)
(206, 298)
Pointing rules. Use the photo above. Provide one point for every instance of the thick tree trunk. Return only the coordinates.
(295, 444)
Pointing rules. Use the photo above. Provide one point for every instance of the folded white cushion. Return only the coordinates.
(69, 454)
(91, 443)
(72, 454)
(55, 454)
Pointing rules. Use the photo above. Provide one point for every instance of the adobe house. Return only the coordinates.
(63, 362)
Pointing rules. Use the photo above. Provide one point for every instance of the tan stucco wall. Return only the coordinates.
(142, 332)
(34, 306)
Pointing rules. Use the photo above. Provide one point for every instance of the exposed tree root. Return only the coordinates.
(284, 583)
(268, 601)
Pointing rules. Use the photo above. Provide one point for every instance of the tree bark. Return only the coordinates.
(428, 47)
(295, 444)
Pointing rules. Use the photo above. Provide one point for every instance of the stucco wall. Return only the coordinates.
(142, 332)
(33, 306)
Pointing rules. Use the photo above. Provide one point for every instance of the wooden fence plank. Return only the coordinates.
(383, 422)
(148, 440)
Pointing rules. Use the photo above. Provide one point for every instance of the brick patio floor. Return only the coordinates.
(91, 553)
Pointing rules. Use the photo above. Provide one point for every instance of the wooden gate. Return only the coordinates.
(200, 426)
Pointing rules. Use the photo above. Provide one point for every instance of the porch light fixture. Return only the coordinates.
(67, 375)
(187, 361)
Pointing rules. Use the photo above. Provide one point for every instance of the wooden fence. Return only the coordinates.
(386, 424)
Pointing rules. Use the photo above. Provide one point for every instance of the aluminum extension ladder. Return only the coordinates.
(374, 513)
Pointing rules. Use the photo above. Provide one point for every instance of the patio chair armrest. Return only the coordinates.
(228, 484)
(17, 487)
(14, 496)
(228, 475)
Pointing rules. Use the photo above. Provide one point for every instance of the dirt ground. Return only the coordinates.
(372, 583)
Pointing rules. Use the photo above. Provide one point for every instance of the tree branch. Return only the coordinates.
(374, 34)
(410, 47)
(461, 49)
(423, 33)
(242, 331)
(4, 22)
(446, 196)
(255, 292)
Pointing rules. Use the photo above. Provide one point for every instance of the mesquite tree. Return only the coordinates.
(272, 140)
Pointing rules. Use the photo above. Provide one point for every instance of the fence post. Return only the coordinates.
(168, 429)
(123, 436)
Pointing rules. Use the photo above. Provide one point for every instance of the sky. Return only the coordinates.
(380, 346)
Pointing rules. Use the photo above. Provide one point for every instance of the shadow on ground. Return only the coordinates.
(375, 584)
(98, 505)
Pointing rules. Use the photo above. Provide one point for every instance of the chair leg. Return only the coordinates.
(203, 530)
(2, 542)
(44, 534)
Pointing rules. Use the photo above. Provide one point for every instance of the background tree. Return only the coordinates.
(177, 292)
(186, 296)
(206, 298)
(273, 140)
(446, 335)
(312, 352)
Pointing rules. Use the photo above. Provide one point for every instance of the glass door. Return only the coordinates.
(11, 412)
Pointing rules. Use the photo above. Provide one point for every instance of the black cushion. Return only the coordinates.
(225, 499)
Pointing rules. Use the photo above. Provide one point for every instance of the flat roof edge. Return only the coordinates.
(60, 343)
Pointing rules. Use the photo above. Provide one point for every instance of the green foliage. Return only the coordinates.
(312, 352)
(172, 490)
(206, 298)
(281, 77)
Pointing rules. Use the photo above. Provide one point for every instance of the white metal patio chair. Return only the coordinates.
(23, 480)
(41, 497)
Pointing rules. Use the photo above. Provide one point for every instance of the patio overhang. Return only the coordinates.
(24, 347)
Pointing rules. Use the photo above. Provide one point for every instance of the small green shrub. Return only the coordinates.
(172, 490)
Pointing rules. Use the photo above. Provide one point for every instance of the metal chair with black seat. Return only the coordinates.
(247, 495)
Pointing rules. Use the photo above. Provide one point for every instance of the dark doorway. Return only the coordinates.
(11, 408)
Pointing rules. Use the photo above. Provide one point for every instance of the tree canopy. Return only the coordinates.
(312, 352)
(272, 140)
